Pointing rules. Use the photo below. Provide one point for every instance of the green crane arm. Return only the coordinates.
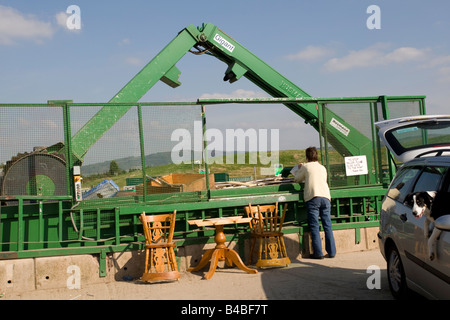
(240, 61)
(162, 67)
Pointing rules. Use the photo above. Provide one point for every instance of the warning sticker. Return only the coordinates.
(340, 127)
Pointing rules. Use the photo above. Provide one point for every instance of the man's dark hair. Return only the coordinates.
(311, 154)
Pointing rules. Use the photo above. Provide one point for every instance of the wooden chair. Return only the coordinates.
(160, 261)
(265, 227)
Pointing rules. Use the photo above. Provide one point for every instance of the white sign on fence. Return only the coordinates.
(356, 165)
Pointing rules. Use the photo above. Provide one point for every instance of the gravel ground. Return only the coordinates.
(348, 276)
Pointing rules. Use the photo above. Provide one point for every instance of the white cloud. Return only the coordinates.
(406, 54)
(61, 19)
(15, 25)
(133, 61)
(444, 71)
(67, 22)
(439, 65)
(362, 58)
(238, 94)
(437, 61)
(444, 74)
(376, 55)
(124, 41)
(310, 53)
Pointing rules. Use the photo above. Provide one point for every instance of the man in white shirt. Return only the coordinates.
(317, 200)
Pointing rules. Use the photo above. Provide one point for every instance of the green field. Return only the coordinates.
(288, 158)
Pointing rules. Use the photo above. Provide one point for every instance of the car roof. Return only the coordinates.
(415, 136)
(440, 160)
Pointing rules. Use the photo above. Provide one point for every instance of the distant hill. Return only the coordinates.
(157, 159)
(161, 164)
(151, 160)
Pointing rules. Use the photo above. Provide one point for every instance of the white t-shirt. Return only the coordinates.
(315, 177)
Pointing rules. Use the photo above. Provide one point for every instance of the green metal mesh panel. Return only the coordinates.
(343, 167)
(246, 142)
(29, 164)
(172, 135)
(398, 109)
(173, 147)
(355, 114)
(114, 155)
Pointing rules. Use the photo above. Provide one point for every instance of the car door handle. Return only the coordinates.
(403, 217)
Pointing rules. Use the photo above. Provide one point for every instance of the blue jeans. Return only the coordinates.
(316, 207)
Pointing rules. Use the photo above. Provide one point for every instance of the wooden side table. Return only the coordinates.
(220, 252)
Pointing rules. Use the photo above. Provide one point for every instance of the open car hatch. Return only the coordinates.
(411, 137)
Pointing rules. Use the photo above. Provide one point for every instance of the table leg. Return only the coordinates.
(206, 257)
(234, 257)
(217, 255)
(220, 252)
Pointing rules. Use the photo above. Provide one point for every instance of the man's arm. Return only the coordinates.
(300, 174)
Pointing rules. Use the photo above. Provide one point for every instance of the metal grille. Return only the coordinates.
(113, 165)
(366, 162)
(398, 109)
(32, 153)
(106, 153)
(172, 135)
(354, 121)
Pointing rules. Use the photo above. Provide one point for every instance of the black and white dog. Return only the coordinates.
(432, 205)
(422, 203)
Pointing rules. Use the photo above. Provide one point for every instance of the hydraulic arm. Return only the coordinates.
(162, 67)
(241, 62)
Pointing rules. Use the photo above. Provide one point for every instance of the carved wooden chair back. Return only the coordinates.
(158, 229)
(266, 226)
(160, 261)
(265, 219)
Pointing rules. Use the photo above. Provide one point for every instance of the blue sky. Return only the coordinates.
(323, 46)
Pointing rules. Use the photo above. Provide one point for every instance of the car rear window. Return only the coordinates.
(430, 179)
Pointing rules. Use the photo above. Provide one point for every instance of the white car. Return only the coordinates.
(417, 251)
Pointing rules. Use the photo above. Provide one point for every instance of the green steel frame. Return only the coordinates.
(46, 226)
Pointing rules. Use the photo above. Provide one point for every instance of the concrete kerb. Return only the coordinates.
(24, 275)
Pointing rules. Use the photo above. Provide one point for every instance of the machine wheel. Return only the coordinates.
(396, 274)
(35, 174)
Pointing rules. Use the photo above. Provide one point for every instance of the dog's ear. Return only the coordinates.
(428, 197)
(409, 200)
(431, 194)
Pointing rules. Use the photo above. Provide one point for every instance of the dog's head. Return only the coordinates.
(420, 202)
